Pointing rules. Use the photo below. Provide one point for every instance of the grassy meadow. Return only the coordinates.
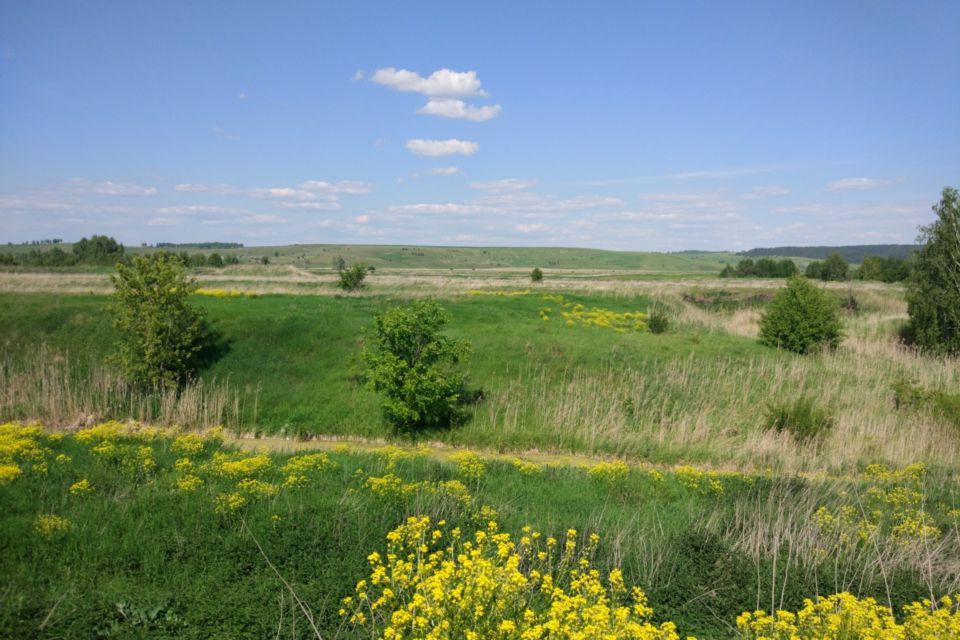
(659, 443)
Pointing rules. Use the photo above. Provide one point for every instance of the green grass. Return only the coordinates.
(142, 559)
(697, 393)
(302, 351)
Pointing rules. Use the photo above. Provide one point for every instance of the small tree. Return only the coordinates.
(351, 278)
(101, 250)
(835, 268)
(414, 366)
(800, 318)
(536, 275)
(160, 332)
(933, 290)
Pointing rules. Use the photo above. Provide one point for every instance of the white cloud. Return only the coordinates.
(452, 108)
(261, 218)
(332, 205)
(358, 75)
(857, 183)
(757, 193)
(242, 96)
(219, 188)
(439, 83)
(517, 203)
(435, 148)
(527, 228)
(363, 219)
(80, 185)
(454, 208)
(349, 187)
(163, 222)
(499, 186)
(195, 208)
(441, 171)
(258, 218)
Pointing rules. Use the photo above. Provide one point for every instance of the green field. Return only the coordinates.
(659, 443)
(140, 555)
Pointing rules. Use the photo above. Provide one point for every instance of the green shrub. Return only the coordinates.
(536, 275)
(658, 321)
(907, 394)
(800, 318)
(161, 332)
(351, 278)
(801, 418)
(414, 366)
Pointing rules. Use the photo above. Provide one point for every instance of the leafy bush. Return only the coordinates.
(536, 275)
(414, 367)
(658, 321)
(801, 418)
(800, 318)
(161, 332)
(933, 291)
(910, 395)
(351, 278)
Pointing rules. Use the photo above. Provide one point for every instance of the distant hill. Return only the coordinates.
(850, 253)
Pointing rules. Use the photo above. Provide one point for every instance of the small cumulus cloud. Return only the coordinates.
(443, 82)
(857, 183)
(436, 148)
(242, 96)
(358, 75)
(459, 109)
(362, 219)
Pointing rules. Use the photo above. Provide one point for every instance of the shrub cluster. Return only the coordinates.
(908, 394)
(351, 278)
(762, 268)
(800, 318)
(802, 418)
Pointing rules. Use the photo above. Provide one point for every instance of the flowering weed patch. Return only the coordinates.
(436, 582)
(575, 314)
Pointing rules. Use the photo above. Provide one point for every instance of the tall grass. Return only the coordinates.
(713, 410)
(47, 386)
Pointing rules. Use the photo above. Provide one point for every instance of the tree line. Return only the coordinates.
(101, 250)
(833, 268)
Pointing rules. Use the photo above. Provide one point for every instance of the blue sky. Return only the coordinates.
(621, 125)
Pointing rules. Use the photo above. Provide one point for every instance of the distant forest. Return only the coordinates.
(199, 245)
(850, 253)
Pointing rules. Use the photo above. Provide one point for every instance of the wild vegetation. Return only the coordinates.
(351, 541)
(622, 455)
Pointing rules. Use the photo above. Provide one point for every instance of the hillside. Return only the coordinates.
(322, 256)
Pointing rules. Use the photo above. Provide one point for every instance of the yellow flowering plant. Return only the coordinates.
(845, 617)
(437, 583)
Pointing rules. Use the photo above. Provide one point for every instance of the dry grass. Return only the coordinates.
(715, 411)
(47, 387)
